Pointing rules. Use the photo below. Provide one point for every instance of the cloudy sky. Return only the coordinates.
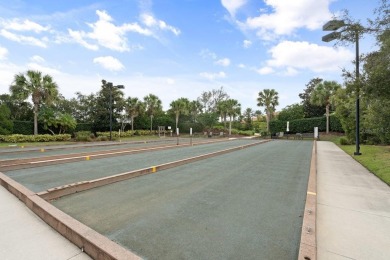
(176, 48)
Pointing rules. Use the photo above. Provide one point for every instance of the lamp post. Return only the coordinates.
(110, 85)
(334, 25)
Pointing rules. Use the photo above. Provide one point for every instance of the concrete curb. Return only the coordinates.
(57, 192)
(308, 244)
(16, 164)
(91, 242)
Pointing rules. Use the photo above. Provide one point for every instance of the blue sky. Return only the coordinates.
(177, 48)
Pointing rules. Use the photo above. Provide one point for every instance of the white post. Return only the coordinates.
(191, 136)
(177, 134)
(316, 132)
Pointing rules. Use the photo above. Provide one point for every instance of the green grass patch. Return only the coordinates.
(375, 158)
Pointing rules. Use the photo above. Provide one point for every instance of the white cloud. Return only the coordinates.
(170, 81)
(107, 34)
(225, 62)
(246, 44)
(37, 59)
(241, 66)
(304, 55)
(233, 5)
(265, 70)
(43, 69)
(207, 54)
(212, 76)
(78, 36)
(287, 16)
(26, 25)
(3, 53)
(109, 63)
(290, 71)
(24, 39)
(151, 22)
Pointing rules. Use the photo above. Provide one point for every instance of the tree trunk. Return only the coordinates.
(267, 117)
(132, 123)
(327, 119)
(230, 126)
(35, 118)
(177, 120)
(151, 123)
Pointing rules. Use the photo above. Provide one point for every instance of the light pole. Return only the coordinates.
(110, 85)
(334, 25)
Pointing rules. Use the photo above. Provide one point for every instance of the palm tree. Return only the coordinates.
(269, 99)
(152, 105)
(41, 89)
(179, 106)
(321, 96)
(233, 108)
(133, 107)
(194, 108)
(222, 110)
(248, 113)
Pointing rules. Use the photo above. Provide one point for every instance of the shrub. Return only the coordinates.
(102, 138)
(84, 136)
(246, 133)
(307, 125)
(17, 138)
(344, 141)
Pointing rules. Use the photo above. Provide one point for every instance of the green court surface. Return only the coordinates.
(34, 152)
(42, 178)
(247, 204)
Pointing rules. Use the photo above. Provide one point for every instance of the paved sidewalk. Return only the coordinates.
(24, 235)
(353, 208)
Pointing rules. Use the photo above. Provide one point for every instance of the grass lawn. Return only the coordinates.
(375, 158)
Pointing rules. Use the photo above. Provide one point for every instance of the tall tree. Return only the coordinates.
(322, 95)
(195, 108)
(6, 125)
(179, 106)
(101, 107)
(210, 99)
(222, 110)
(152, 105)
(248, 114)
(85, 107)
(233, 109)
(133, 107)
(42, 89)
(269, 99)
(20, 109)
(309, 109)
(291, 112)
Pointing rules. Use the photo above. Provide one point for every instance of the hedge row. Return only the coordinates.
(18, 138)
(115, 134)
(307, 125)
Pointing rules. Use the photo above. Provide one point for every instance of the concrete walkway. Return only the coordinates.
(24, 235)
(353, 208)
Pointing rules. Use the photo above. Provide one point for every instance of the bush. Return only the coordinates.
(17, 138)
(344, 141)
(84, 136)
(102, 138)
(307, 125)
(23, 127)
(246, 133)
